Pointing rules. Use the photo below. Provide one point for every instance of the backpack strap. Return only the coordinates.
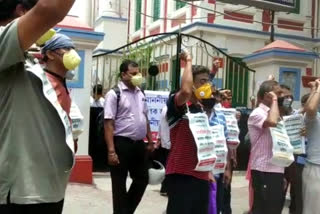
(117, 90)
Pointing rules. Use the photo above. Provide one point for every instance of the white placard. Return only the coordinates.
(282, 151)
(155, 100)
(77, 120)
(199, 126)
(232, 127)
(221, 149)
(294, 125)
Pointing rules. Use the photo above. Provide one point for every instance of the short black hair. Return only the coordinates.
(125, 65)
(305, 98)
(28, 4)
(199, 69)
(266, 87)
(97, 89)
(285, 87)
(8, 7)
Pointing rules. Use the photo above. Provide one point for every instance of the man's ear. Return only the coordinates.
(50, 55)
(122, 74)
(20, 10)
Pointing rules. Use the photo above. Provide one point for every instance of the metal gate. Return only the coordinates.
(163, 50)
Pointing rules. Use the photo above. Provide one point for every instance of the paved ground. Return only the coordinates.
(97, 199)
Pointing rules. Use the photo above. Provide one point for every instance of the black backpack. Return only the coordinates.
(100, 118)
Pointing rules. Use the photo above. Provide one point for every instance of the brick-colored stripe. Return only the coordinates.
(240, 17)
(181, 20)
(293, 25)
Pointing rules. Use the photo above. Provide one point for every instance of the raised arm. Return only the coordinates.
(43, 16)
(311, 107)
(273, 115)
(184, 94)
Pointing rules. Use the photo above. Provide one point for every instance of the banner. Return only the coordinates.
(293, 125)
(155, 100)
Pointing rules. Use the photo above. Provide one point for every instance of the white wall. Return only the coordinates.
(115, 33)
(82, 9)
(82, 98)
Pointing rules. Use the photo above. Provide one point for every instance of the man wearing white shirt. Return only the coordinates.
(97, 100)
(311, 171)
(164, 143)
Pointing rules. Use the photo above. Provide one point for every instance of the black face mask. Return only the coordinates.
(209, 103)
(280, 101)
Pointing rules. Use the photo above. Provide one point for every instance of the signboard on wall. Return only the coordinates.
(277, 5)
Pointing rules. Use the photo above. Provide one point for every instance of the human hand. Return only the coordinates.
(271, 77)
(271, 95)
(226, 94)
(227, 177)
(113, 159)
(150, 147)
(312, 84)
(158, 143)
(303, 132)
(317, 84)
(185, 55)
(238, 115)
(211, 178)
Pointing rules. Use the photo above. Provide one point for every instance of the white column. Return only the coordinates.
(110, 7)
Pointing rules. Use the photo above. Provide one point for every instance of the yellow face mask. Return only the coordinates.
(71, 60)
(204, 92)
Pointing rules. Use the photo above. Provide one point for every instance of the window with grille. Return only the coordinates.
(297, 9)
(180, 4)
(138, 14)
(156, 9)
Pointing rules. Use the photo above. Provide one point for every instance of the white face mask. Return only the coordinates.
(70, 75)
(287, 103)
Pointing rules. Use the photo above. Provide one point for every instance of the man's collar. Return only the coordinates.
(264, 107)
(124, 87)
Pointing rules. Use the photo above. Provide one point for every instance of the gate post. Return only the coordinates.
(178, 65)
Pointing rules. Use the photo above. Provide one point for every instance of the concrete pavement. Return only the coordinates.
(97, 198)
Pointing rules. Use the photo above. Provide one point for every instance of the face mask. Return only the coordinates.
(287, 103)
(137, 80)
(46, 37)
(70, 75)
(71, 60)
(204, 92)
(208, 103)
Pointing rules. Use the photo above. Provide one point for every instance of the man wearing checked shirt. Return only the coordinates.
(267, 178)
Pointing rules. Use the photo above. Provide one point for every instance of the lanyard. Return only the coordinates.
(62, 80)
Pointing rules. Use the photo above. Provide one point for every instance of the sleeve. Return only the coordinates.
(145, 109)
(110, 105)
(256, 120)
(173, 110)
(11, 52)
(159, 130)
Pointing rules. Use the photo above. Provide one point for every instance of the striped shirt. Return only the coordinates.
(261, 142)
(183, 154)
